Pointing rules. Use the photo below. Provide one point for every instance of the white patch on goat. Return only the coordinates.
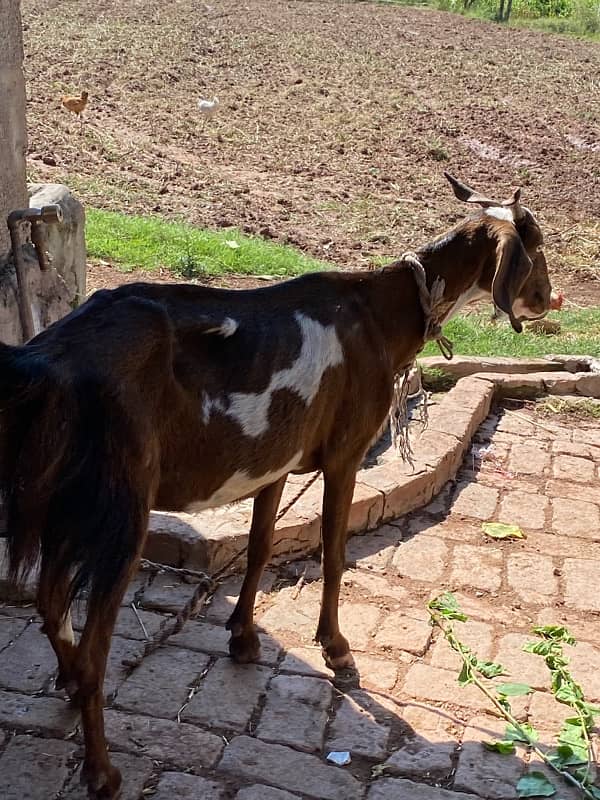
(65, 631)
(320, 350)
(241, 484)
(500, 213)
(474, 292)
(227, 328)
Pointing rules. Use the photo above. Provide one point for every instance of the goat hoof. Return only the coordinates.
(244, 648)
(336, 652)
(103, 784)
(71, 688)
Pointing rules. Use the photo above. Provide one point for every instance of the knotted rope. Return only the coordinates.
(431, 303)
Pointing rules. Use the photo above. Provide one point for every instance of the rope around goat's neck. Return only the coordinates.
(430, 303)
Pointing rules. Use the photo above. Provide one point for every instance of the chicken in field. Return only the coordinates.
(75, 104)
(208, 108)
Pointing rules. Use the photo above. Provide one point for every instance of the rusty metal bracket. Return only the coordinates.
(47, 215)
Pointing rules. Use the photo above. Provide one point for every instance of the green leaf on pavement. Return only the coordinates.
(526, 734)
(502, 746)
(498, 530)
(536, 784)
(514, 689)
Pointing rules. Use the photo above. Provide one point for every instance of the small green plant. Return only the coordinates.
(573, 758)
(437, 151)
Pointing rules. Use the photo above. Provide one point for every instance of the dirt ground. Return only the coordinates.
(335, 124)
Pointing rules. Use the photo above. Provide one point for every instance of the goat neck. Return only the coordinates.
(397, 313)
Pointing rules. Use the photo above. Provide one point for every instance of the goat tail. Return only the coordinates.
(32, 413)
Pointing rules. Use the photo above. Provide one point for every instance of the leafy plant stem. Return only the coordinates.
(466, 656)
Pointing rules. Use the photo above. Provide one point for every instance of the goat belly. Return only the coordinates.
(242, 484)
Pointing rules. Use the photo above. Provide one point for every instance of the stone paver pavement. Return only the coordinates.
(185, 722)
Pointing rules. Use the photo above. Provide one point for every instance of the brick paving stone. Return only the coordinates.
(428, 748)
(532, 577)
(228, 695)
(127, 624)
(179, 745)
(580, 449)
(374, 551)
(26, 612)
(563, 546)
(29, 663)
(578, 624)
(408, 630)
(285, 768)
(476, 635)
(305, 661)
(224, 599)
(356, 728)
(135, 588)
(358, 622)
(453, 528)
(581, 577)
(546, 713)
(10, 629)
(376, 673)
(421, 558)
(475, 500)
(135, 773)
(296, 614)
(375, 585)
(489, 610)
(258, 792)
(34, 769)
(400, 789)
(215, 639)
(528, 458)
(122, 655)
(187, 787)
(295, 712)
(573, 468)
(576, 518)
(590, 493)
(489, 774)
(49, 715)
(521, 427)
(440, 686)
(521, 667)
(167, 593)
(160, 685)
(478, 566)
(523, 508)
(585, 659)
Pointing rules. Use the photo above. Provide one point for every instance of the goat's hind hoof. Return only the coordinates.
(104, 784)
(244, 648)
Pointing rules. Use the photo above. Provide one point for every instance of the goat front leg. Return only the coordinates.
(337, 498)
(244, 645)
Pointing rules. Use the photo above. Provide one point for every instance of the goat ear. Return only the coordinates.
(468, 195)
(514, 203)
(513, 266)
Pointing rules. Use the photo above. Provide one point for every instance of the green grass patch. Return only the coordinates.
(475, 335)
(147, 243)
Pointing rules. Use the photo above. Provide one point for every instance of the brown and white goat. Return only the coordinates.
(181, 397)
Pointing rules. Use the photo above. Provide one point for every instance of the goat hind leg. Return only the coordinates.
(102, 778)
(337, 498)
(244, 645)
(53, 606)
